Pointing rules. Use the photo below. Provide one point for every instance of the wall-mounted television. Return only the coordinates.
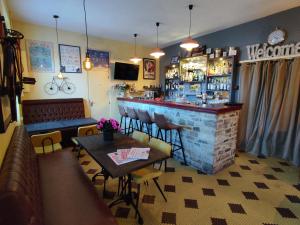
(125, 71)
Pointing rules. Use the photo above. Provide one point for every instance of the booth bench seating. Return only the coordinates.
(50, 189)
(47, 115)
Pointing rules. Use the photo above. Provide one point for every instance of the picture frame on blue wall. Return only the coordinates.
(70, 58)
(40, 56)
(175, 60)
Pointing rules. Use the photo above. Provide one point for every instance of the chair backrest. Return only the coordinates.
(131, 113)
(47, 139)
(20, 195)
(87, 130)
(140, 137)
(160, 120)
(144, 116)
(122, 110)
(160, 145)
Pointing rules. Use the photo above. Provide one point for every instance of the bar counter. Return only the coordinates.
(209, 135)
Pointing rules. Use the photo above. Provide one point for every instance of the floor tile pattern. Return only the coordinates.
(253, 191)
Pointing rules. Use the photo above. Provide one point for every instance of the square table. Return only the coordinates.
(98, 149)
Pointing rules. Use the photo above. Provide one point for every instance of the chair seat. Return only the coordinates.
(48, 148)
(172, 126)
(147, 173)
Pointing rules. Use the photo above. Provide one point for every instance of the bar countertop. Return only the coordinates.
(208, 108)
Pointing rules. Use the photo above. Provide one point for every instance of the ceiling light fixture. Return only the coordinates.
(157, 52)
(59, 75)
(135, 59)
(87, 62)
(189, 43)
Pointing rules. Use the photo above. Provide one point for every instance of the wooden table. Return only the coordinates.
(98, 149)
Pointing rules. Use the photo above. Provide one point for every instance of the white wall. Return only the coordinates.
(100, 81)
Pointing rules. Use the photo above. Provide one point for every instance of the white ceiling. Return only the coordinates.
(119, 19)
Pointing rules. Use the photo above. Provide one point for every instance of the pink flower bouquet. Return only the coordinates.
(108, 125)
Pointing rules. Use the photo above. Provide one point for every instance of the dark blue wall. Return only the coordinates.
(239, 36)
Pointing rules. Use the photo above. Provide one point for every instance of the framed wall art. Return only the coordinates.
(70, 58)
(40, 56)
(149, 69)
(99, 58)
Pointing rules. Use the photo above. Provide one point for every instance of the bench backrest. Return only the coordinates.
(20, 197)
(36, 111)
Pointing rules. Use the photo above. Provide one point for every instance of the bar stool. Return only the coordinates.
(133, 118)
(123, 114)
(146, 120)
(164, 125)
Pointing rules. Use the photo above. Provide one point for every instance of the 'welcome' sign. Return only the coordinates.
(258, 51)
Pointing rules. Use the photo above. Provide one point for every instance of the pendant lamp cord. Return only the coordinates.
(56, 17)
(135, 35)
(190, 8)
(157, 25)
(86, 31)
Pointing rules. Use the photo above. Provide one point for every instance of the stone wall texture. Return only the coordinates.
(209, 139)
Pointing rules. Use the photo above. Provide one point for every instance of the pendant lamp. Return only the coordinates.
(135, 59)
(59, 75)
(189, 43)
(157, 52)
(87, 62)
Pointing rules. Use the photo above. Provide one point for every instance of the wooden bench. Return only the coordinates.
(49, 189)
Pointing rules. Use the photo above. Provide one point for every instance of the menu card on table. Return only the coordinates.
(122, 156)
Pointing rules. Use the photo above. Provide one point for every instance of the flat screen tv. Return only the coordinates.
(125, 71)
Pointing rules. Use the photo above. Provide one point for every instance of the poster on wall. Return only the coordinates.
(40, 56)
(149, 69)
(99, 58)
(70, 58)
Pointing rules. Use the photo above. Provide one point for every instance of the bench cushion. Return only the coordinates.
(68, 195)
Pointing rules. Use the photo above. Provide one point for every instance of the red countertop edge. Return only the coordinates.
(214, 109)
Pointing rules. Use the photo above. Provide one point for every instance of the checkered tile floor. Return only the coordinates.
(253, 191)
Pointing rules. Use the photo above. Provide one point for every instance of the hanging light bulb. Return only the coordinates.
(189, 43)
(59, 75)
(135, 59)
(87, 62)
(157, 52)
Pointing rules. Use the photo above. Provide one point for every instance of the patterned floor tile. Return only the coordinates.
(234, 174)
(270, 177)
(109, 194)
(223, 182)
(284, 163)
(191, 203)
(277, 169)
(261, 185)
(297, 186)
(261, 157)
(169, 188)
(218, 221)
(253, 161)
(200, 172)
(286, 213)
(148, 199)
(293, 198)
(170, 169)
(99, 182)
(122, 212)
(250, 195)
(245, 167)
(85, 163)
(208, 192)
(169, 218)
(187, 179)
(91, 171)
(236, 208)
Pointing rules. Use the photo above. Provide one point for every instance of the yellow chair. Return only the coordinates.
(140, 137)
(85, 131)
(48, 142)
(147, 173)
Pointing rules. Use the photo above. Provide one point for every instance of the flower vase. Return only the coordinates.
(108, 135)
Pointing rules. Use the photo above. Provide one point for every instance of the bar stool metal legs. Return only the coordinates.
(125, 129)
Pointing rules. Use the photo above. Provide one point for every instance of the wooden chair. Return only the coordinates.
(48, 142)
(148, 173)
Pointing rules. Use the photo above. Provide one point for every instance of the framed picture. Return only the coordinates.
(5, 113)
(149, 69)
(40, 56)
(198, 51)
(70, 58)
(99, 58)
(175, 60)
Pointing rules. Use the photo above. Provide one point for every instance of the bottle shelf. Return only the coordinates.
(221, 75)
